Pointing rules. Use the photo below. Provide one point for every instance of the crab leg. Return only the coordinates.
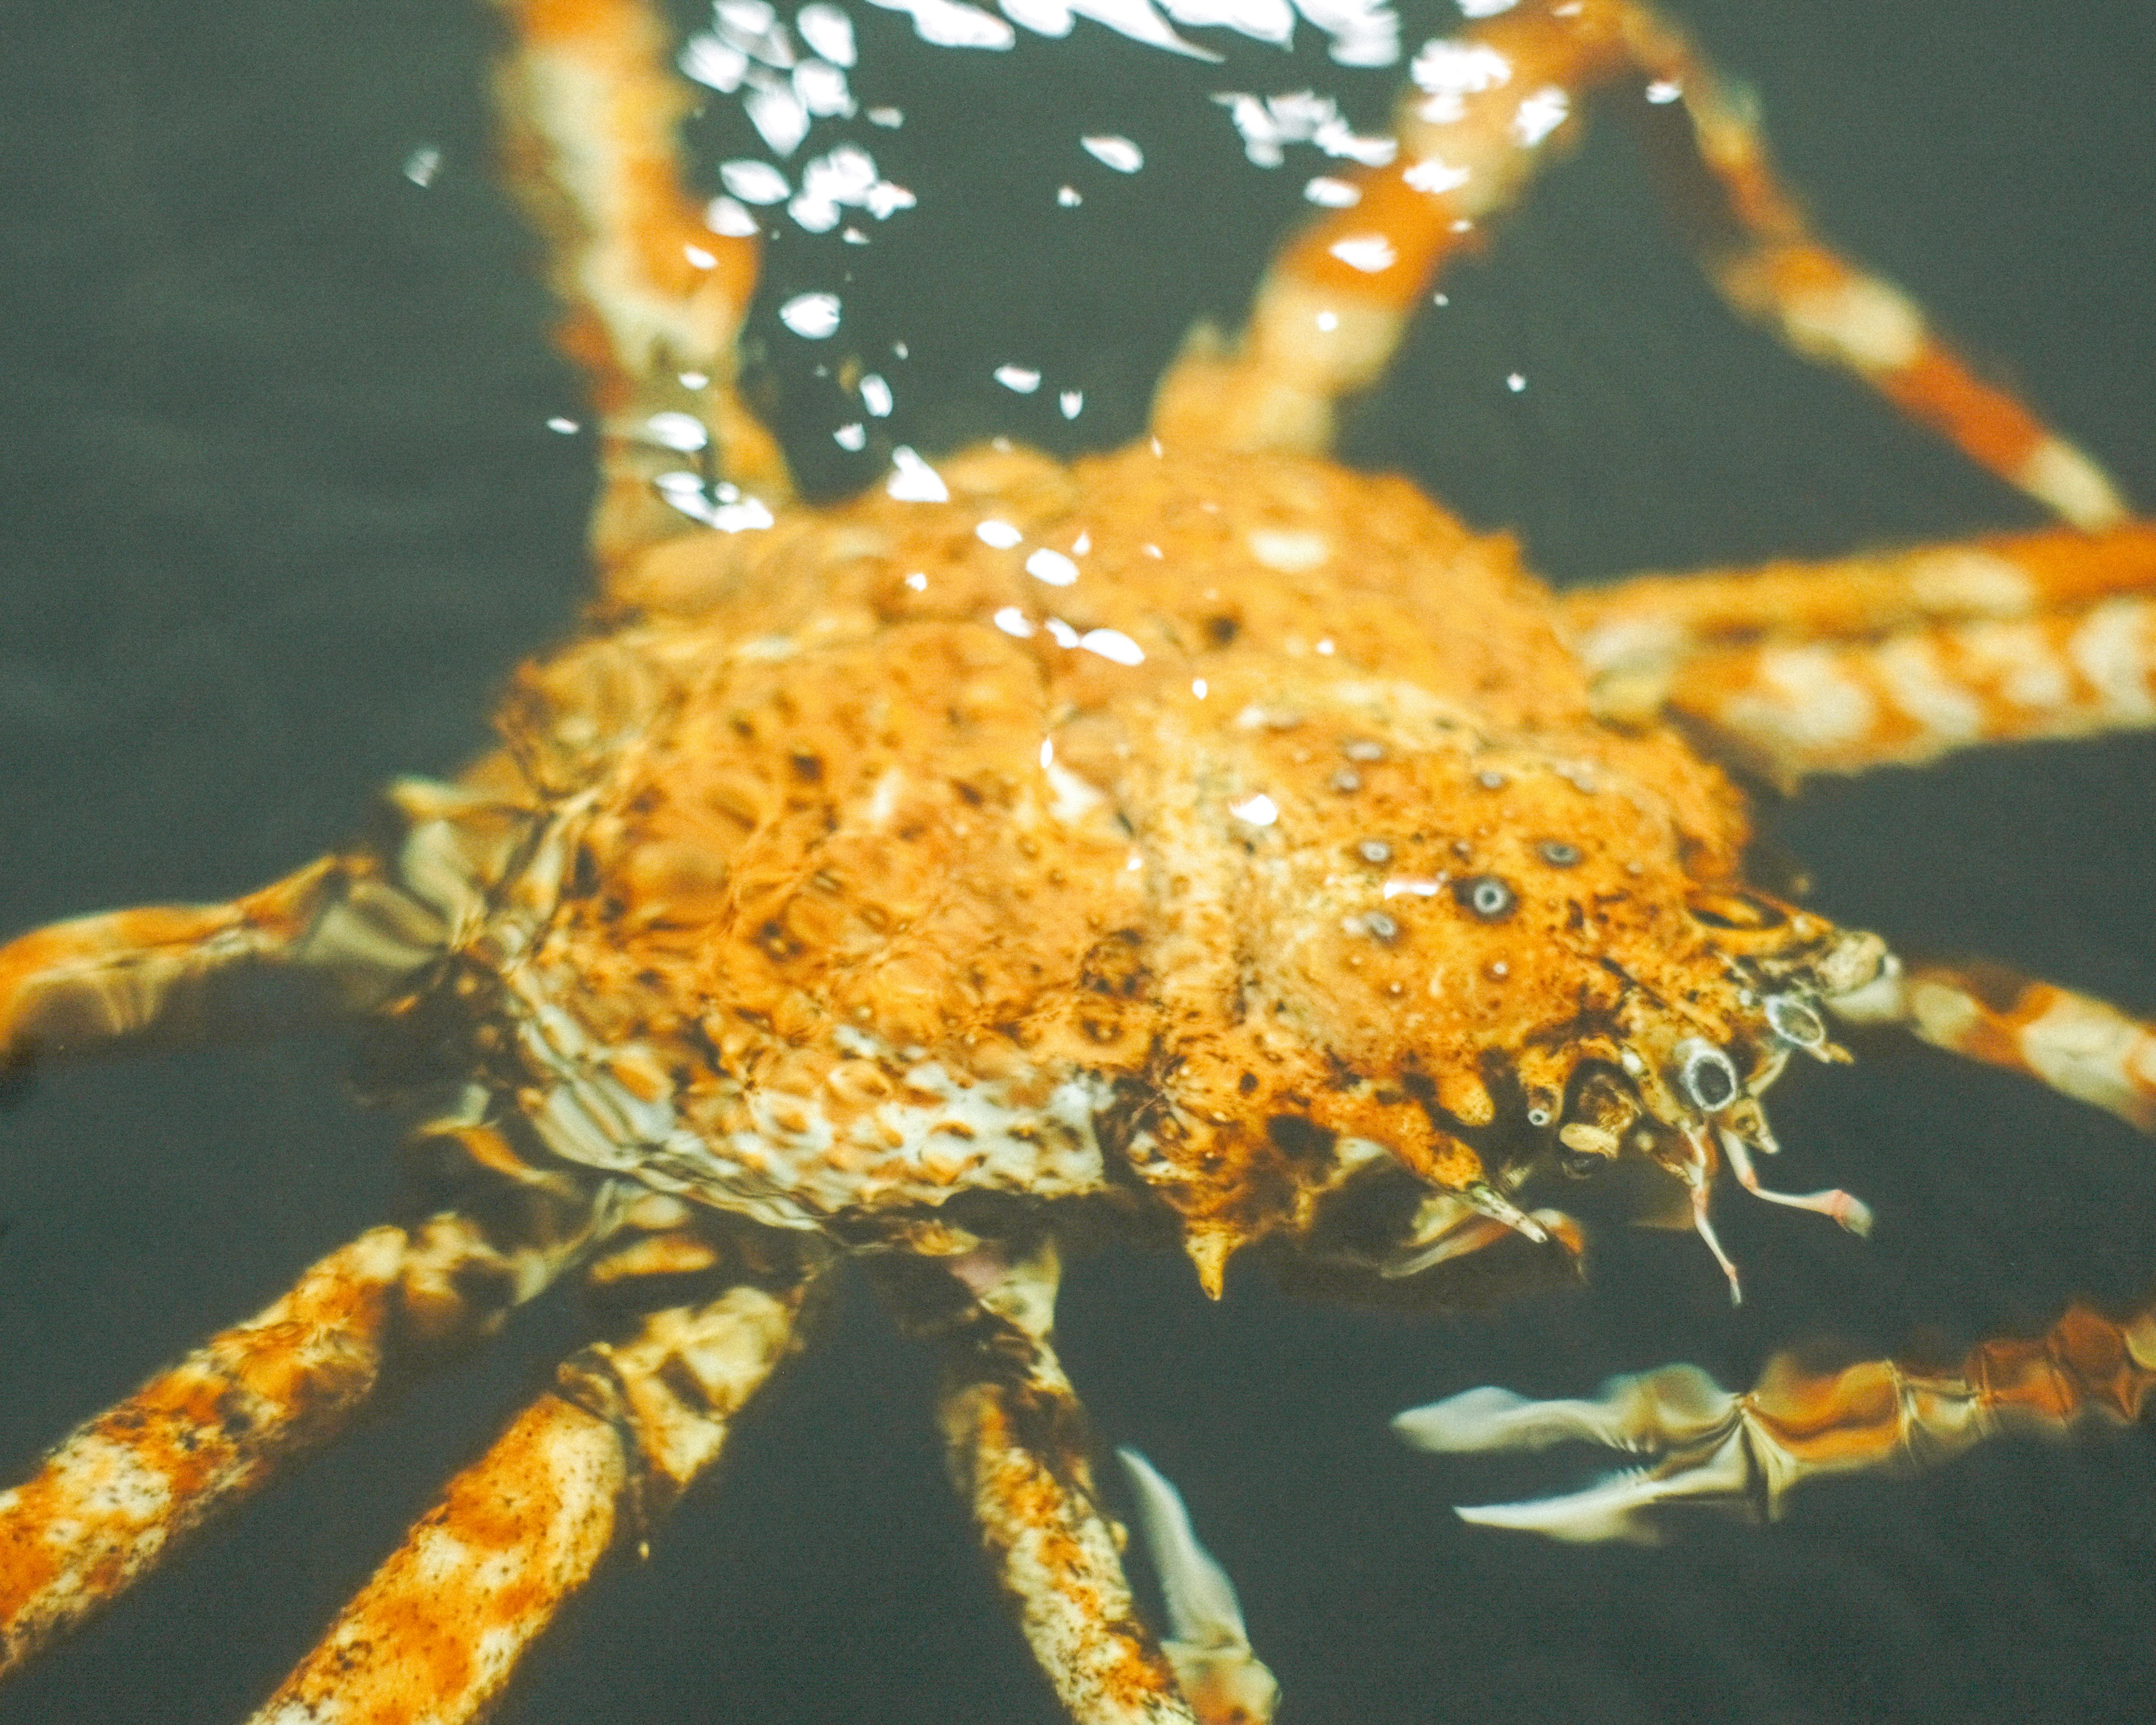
(654, 298)
(1901, 657)
(150, 973)
(1744, 1454)
(344, 934)
(130, 1486)
(1337, 300)
(437, 1634)
(2080, 1046)
(1017, 1446)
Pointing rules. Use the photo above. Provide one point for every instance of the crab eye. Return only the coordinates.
(1708, 1078)
(1795, 1021)
(1580, 1165)
(1486, 897)
(1557, 853)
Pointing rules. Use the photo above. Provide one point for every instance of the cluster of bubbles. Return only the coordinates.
(790, 77)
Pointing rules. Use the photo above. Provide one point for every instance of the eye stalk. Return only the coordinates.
(1707, 1075)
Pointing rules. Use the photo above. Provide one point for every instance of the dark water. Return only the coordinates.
(279, 511)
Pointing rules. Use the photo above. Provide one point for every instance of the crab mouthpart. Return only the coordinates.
(1450, 1224)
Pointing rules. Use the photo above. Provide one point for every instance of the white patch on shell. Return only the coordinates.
(124, 1486)
(1291, 553)
(1956, 582)
(2115, 649)
(883, 800)
(1921, 688)
(2019, 660)
(2060, 476)
(1804, 704)
(1074, 798)
(2087, 1051)
(1865, 323)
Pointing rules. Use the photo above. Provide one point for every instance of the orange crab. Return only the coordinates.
(1198, 843)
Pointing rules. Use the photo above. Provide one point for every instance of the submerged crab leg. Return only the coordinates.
(1017, 1446)
(1337, 301)
(346, 933)
(655, 298)
(1901, 657)
(1787, 710)
(2076, 1044)
(148, 973)
(437, 1633)
(1744, 1454)
(129, 1488)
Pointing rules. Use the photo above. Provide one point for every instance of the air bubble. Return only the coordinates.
(814, 317)
(1111, 150)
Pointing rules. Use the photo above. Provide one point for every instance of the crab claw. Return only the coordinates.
(1703, 1441)
(1207, 1644)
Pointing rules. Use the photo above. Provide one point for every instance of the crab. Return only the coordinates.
(1424, 793)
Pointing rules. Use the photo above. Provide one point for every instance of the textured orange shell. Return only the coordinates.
(865, 798)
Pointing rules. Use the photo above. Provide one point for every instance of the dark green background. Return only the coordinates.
(277, 511)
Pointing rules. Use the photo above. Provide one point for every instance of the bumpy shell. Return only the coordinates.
(1193, 835)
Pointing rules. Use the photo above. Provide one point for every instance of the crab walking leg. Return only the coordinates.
(148, 973)
(437, 1634)
(1757, 249)
(1337, 299)
(1208, 1642)
(2080, 1046)
(127, 1488)
(1911, 697)
(1015, 1440)
(1491, 106)
(1635, 636)
(656, 299)
(1745, 1454)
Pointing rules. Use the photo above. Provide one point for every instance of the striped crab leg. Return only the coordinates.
(1702, 1445)
(1018, 1449)
(591, 1466)
(128, 1488)
(2074, 1044)
(1894, 657)
(653, 298)
(349, 933)
(1492, 105)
